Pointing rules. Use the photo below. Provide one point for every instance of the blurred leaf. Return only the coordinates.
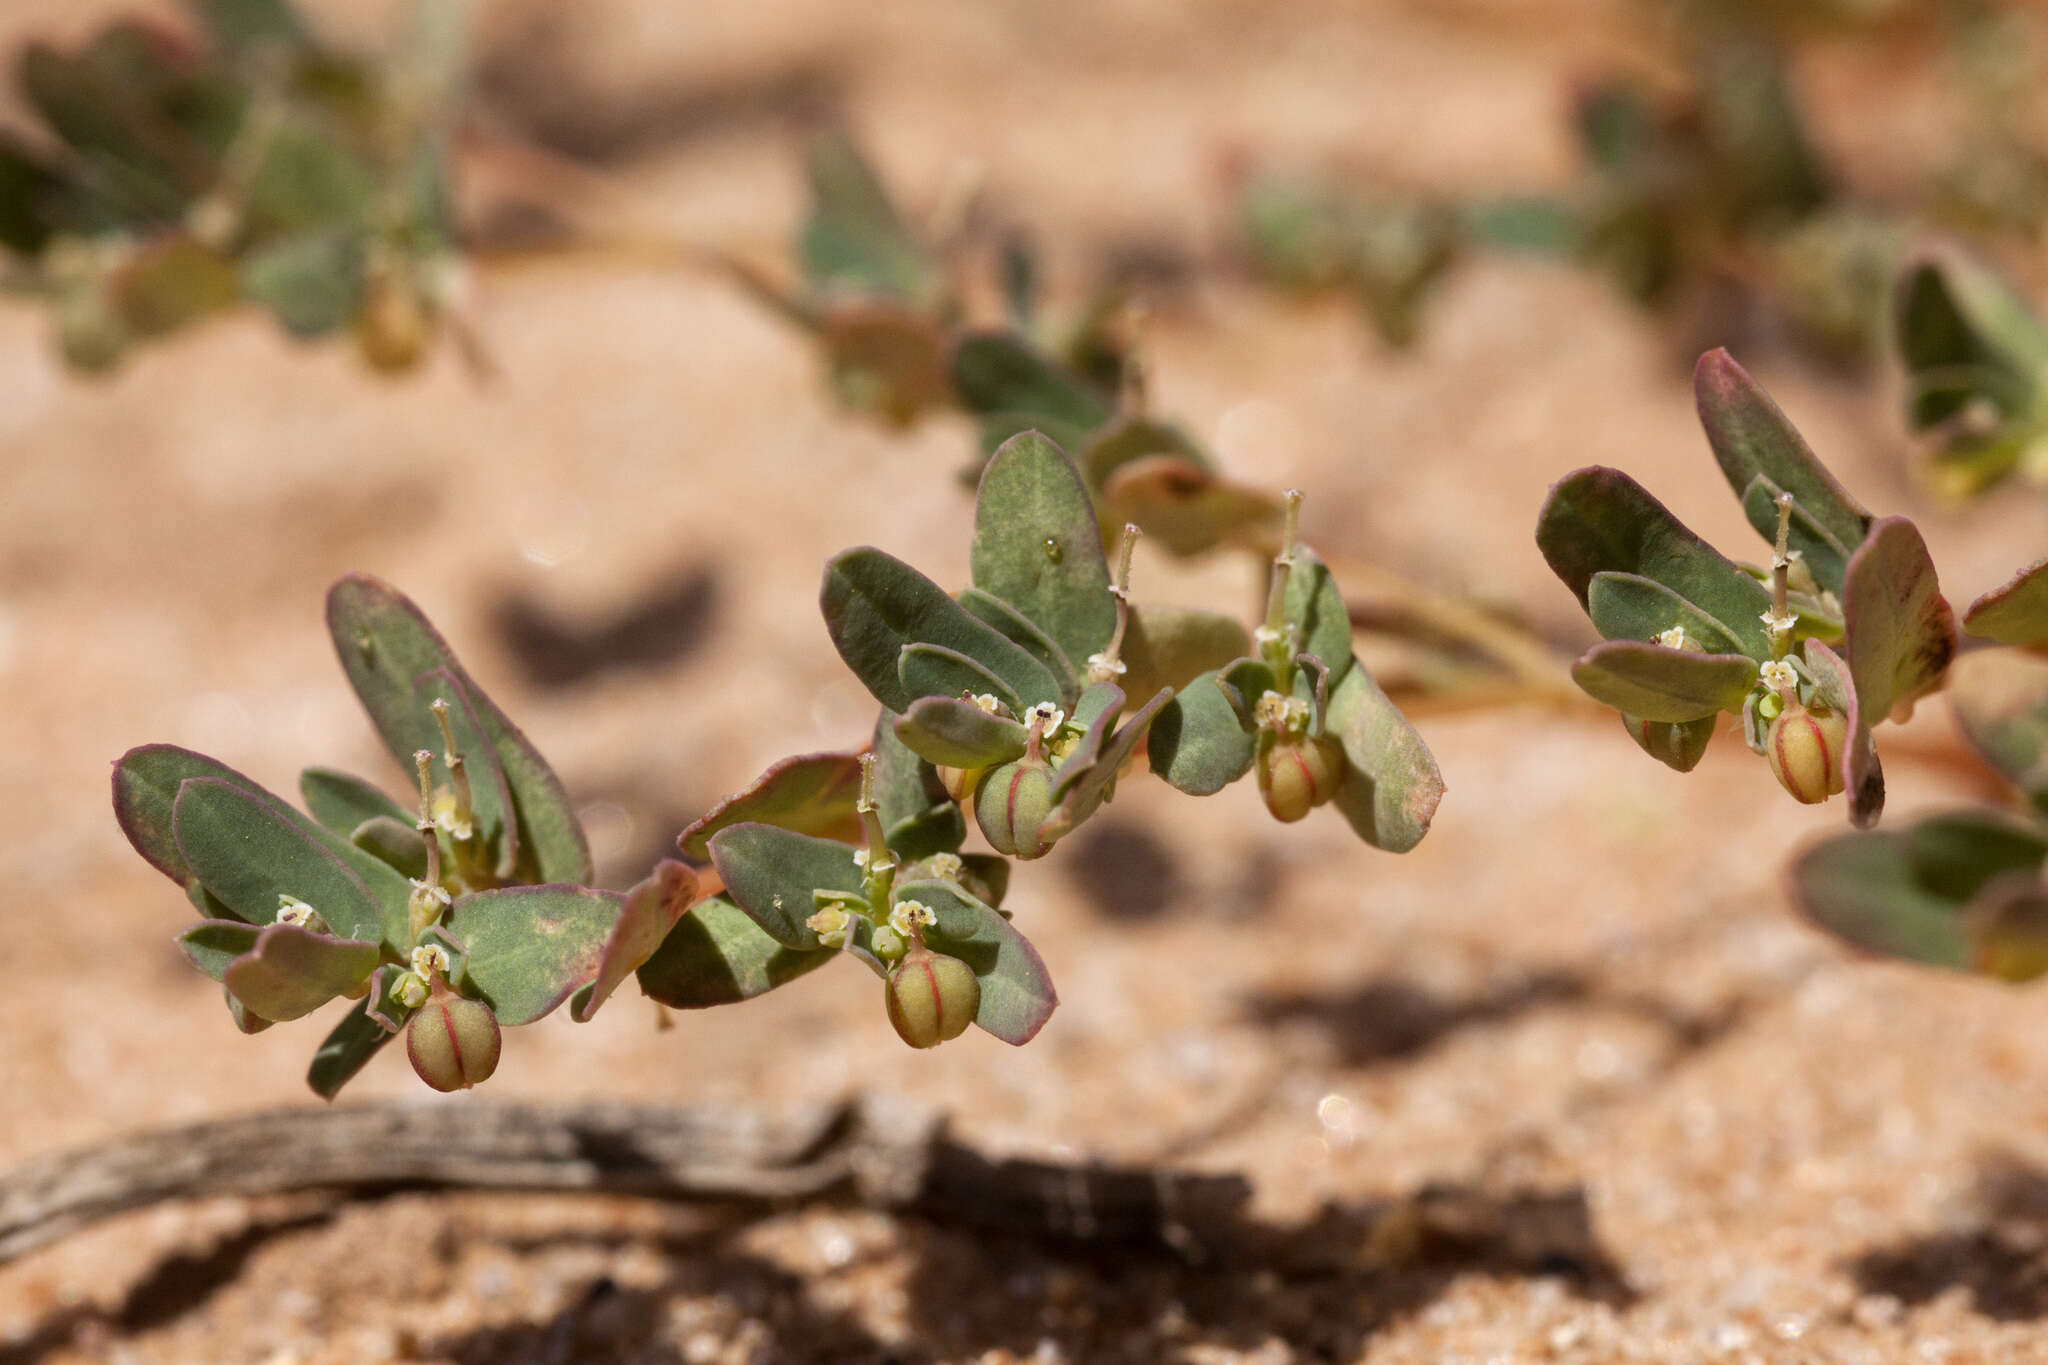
(1751, 438)
(342, 801)
(1182, 507)
(1017, 995)
(1527, 225)
(875, 604)
(1601, 519)
(1957, 853)
(854, 238)
(346, 1051)
(2008, 924)
(1678, 747)
(171, 283)
(1900, 632)
(385, 643)
(717, 955)
(308, 179)
(1123, 440)
(250, 851)
(1764, 161)
(1001, 374)
(31, 197)
(1865, 888)
(886, 360)
(527, 948)
(313, 282)
(1037, 547)
(959, 734)
(1391, 784)
(809, 794)
(241, 25)
(1964, 334)
(1198, 742)
(2001, 701)
(647, 914)
(1656, 683)
(290, 972)
(1167, 646)
(770, 873)
(2016, 613)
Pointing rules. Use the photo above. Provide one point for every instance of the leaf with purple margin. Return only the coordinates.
(1094, 713)
(1080, 793)
(1863, 888)
(1199, 742)
(1862, 774)
(385, 643)
(649, 912)
(250, 853)
(2001, 701)
(1677, 746)
(958, 733)
(1599, 519)
(212, 945)
(146, 781)
(1750, 436)
(1021, 632)
(382, 1003)
(2015, 613)
(1899, 632)
(528, 948)
(290, 972)
(810, 794)
(1185, 508)
(717, 955)
(345, 1051)
(1391, 784)
(1017, 995)
(1037, 545)
(1658, 683)
(918, 818)
(770, 873)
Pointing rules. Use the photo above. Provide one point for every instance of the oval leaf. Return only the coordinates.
(1017, 995)
(958, 733)
(1657, 683)
(249, 853)
(770, 873)
(527, 948)
(2015, 614)
(1199, 742)
(649, 912)
(1391, 784)
(811, 794)
(1899, 634)
(717, 955)
(2001, 701)
(290, 972)
(1751, 437)
(1037, 546)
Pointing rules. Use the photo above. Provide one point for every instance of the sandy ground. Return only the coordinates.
(1582, 993)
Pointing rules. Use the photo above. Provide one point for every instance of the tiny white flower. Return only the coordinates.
(429, 958)
(1275, 712)
(987, 702)
(1051, 716)
(946, 866)
(1779, 625)
(1266, 635)
(429, 893)
(906, 913)
(1102, 668)
(292, 910)
(860, 858)
(1673, 638)
(410, 990)
(1778, 675)
(832, 926)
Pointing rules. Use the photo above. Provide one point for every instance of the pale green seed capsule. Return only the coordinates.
(1805, 751)
(1297, 775)
(1012, 805)
(931, 998)
(453, 1042)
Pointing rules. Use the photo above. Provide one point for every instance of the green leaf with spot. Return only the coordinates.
(771, 874)
(810, 794)
(1657, 683)
(718, 955)
(385, 643)
(2015, 613)
(249, 852)
(290, 972)
(875, 605)
(1751, 437)
(1198, 742)
(1391, 784)
(528, 948)
(1601, 519)
(1036, 545)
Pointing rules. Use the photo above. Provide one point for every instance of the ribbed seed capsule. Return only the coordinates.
(931, 998)
(453, 1042)
(1805, 751)
(1012, 805)
(960, 782)
(1297, 775)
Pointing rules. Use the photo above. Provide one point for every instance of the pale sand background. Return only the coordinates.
(1585, 982)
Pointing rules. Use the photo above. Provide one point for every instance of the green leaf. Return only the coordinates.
(342, 801)
(1958, 853)
(307, 179)
(290, 972)
(810, 794)
(395, 843)
(2001, 701)
(649, 912)
(1316, 614)
(2015, 614)
(928, 671)
(1752, 438)
(875, 604)
(957, 913)
(1198, 742)
(1824, 555)
(1862, 775)
(346, 1050)
(770, 873)
(146, 782)
(1017, 995)
(385, 643)
(1627, 606)
(312, 281)
(1864, 888)
(214, 944)
(1956, 318)
(717, 955)
(249, 852)
(854, 237)
(918, 818)
(1391, 785)
(958, 734)
(1679, 747)
(1900, 633)
(1021, 632)
(527, 948)
(1094, 713)
(1656, 683)
(1168, 646)
(1002, 373)
(1037, 545)
(1601, 519)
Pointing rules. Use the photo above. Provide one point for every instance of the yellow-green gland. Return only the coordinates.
(453, 1042)
(931, 998)
(960, 782)
(1805, 751)
(1297, 775)
(1012, 805)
